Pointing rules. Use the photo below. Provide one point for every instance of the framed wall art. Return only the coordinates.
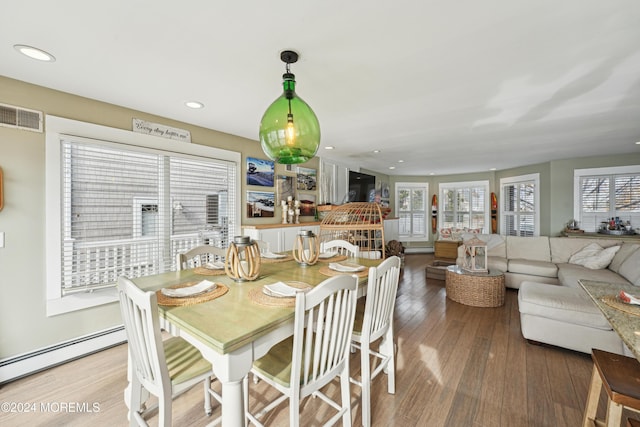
(285, 188)
(260, 172)
(307, 204)
(260, 204)
(306, 179)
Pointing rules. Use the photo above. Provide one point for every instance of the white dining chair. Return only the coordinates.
(199, 256)
(341, 246)
(164, 368)
(316, 354)
(374, 320)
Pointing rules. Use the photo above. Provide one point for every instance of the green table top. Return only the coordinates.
(231, 321)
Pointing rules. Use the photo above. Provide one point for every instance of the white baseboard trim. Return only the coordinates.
(424, 250)
(29, 363)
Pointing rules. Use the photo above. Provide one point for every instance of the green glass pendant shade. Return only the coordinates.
(289, 129)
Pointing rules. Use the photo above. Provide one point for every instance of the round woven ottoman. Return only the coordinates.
(475, 289)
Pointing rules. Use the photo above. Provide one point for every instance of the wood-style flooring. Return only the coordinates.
(456, 366)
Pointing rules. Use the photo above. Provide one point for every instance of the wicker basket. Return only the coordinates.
(476, 290)
(357, 223)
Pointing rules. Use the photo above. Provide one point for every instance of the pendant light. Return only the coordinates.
(289, 129)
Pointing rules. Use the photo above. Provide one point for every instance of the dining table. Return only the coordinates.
(233, 330)
(624, 318)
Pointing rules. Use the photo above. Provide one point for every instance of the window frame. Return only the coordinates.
(57, 128)
(466, 184)
(521, 179)
(578, 174)
(427, 212)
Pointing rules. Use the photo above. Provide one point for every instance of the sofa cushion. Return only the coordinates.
(569, 274)
(625, 250)
(534, 268)
(497, 263)
(563, 247)
(594, 256)
(533, 248)
(569, 305)
(630, 268)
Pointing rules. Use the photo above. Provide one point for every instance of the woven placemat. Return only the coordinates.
(613, 301)
(209, 271)
(274, 260)
(329, 272)
(196, 299)
(336, 258)
(257, 296)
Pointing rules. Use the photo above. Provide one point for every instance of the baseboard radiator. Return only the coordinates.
(418, 250)
(29, 363)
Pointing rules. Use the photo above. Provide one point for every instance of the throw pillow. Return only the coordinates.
(594, 256)
(445, 233)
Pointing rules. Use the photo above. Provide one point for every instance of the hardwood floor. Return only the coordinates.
(456, 366)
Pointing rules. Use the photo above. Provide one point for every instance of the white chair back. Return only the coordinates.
(341, 246)
(141, 324)
(374, 322)
(380, 302)
(323, 328)
(199, 256)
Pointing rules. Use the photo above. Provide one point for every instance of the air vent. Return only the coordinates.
(20, 118)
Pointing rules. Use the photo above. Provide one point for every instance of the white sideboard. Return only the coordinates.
(280, 237)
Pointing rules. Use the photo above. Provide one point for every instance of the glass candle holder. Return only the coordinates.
(306, 248)
(242, 261)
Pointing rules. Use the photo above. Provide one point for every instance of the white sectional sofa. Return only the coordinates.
(554, 309)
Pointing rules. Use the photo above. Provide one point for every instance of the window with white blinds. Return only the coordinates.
(605, 195)
(519, 207)
(124, 203)
(129, 211)
(464, 205)
(411, 206)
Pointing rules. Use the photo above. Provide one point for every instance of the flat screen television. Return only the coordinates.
(362, 187)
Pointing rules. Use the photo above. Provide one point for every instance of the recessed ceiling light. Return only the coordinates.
(329, 147)
(432, 173)
(376, 151)
(400, 161)
(638, 143)
(492, 169)
(194, 104)
(392, 167)
(34, 53)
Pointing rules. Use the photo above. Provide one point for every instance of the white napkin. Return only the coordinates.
(214, 265)
(280, 289)
(629, 299)
(189, 291)
(272, 255)
(345, 268)
(325, 255)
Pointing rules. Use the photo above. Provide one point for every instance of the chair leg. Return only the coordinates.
(207, 397)
(387, 348)
(365, 374)
(591, 406)
(346, 397)
(294, 410)
(164, 411)
(245, 395)
(134, 399)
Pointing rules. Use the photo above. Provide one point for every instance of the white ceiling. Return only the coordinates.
(448, 87)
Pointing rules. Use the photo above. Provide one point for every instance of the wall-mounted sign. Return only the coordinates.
(155, 129)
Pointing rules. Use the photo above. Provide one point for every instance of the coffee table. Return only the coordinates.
(475, 289)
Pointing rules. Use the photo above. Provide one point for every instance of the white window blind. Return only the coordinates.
(412, 212)
(603, 197)
(129, 210)
(464, 205)
(519, 209)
